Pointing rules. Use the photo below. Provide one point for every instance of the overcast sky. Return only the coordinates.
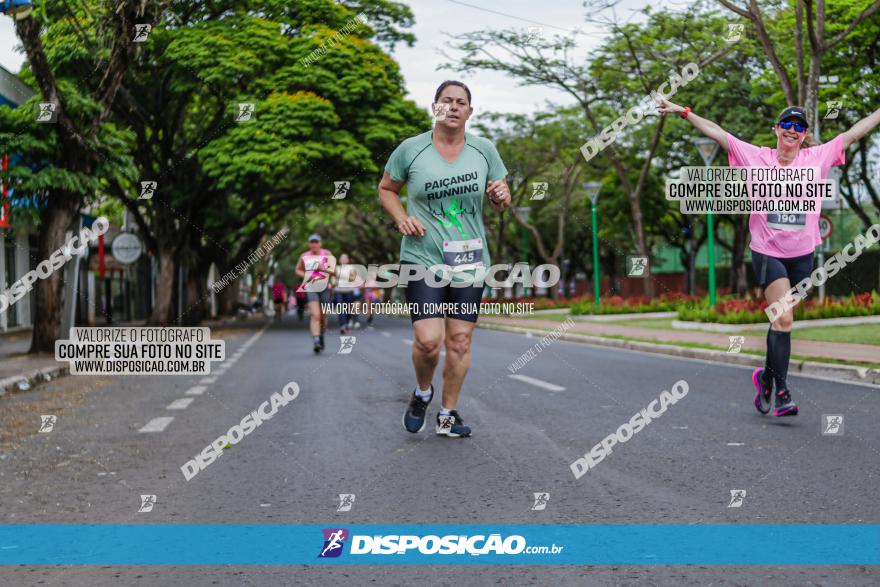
(435, 19)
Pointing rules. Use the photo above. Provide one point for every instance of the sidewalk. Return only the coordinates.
(852, 353)
(20, 371)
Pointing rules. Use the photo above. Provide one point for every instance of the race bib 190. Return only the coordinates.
(787, 221)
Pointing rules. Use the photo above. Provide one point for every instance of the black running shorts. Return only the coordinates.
(768, 269)
(442, 302)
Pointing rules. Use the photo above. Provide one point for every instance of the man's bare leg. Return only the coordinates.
(458, 359)
(428, 333)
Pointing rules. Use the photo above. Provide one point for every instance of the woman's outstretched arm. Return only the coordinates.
(707, 127)
(861, 129)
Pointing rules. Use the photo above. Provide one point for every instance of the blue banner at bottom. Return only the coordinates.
(600, 544)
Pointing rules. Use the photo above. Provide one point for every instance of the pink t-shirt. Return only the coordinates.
(315, 280)
(797, 239)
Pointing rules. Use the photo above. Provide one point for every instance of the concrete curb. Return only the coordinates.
(821, 322)
(826, 370)
(618, 317)
(31, 379)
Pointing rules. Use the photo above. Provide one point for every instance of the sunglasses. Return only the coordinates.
(787, 124)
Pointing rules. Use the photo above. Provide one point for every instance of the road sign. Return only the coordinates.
(126, 248)
(825, 227)
(707, 148)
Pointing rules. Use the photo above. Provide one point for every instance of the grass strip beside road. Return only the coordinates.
(696, 345)
(853, 333)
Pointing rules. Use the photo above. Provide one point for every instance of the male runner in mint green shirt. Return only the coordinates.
(446, 172)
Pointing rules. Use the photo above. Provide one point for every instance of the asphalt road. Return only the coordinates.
(343, 434)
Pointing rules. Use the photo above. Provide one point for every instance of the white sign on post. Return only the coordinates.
(126, 248)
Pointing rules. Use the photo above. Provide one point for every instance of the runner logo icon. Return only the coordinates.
(245, 111)
(140, 32)
(832, 424)
(148, 188)
(147, 503)
(47, 112)
(334, 540)
(736, 498)
(47, 423)
(734, 32)
(539, 190)
(541, 500)
(346, 500)
(638, 267)
(833, 109)
(346, 344)
(341, 189)
(736, 343)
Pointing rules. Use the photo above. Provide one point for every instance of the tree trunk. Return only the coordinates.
(163, 310)
(691, 255)
(57, 219)
(636, 209)
(554, 289)
(227, 298)
(197, 296)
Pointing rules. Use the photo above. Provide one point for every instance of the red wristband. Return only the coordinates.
(687, 110)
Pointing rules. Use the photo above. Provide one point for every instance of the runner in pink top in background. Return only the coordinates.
(315, 266)
(279, 297)
(782, 244)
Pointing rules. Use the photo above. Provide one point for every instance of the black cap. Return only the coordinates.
(795, 112)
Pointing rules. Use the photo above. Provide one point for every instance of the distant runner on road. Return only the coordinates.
(279, 297)
(315, 266)
(447, 172)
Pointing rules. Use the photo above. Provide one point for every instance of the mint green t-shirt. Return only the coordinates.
(447, 198)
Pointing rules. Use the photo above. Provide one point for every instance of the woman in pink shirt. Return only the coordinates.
(279, 296)
(782, 244)
(315, 266)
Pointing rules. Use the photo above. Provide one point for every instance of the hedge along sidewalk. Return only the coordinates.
(851, 353)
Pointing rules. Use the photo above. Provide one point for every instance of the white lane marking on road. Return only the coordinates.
(407, 341)
(680, 427)
(736, 444)
(208, 380)
(537, 382)
(196, 390)
(157, 424)
(180, 403)
(386, 333)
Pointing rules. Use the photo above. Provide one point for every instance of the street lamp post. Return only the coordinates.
(522, 213)
(593, 188)
(708, 149)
